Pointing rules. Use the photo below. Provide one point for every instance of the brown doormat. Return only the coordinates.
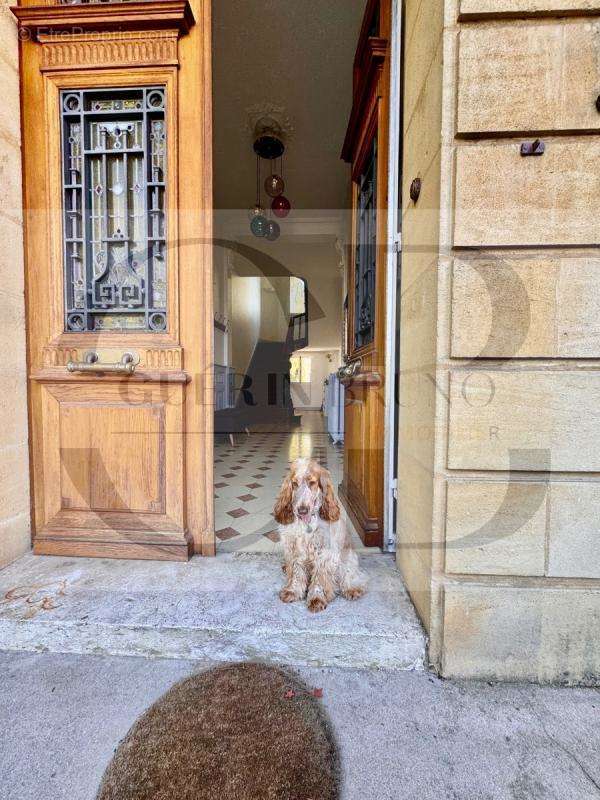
(238, 732)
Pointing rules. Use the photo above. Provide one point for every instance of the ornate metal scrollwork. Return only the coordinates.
(366, 254)
(114, 185)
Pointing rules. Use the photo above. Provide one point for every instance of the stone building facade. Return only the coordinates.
(499, 493)
(14, 459)
(500, 385)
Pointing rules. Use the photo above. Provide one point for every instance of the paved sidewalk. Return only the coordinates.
(402, 735)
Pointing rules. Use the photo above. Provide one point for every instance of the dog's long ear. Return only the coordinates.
(330, 509)
(283, 511)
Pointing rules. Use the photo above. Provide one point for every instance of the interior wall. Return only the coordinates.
(273, 318)
(219, 281)
(310, 395)
(257, 307)
(245, 320)
(422, 126)
(15, 535)
(221, 354)
(221, 303)
(318, 263)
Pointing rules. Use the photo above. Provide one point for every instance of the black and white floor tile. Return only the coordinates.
(248, 475)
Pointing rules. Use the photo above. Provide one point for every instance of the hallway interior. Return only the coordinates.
(248, 476)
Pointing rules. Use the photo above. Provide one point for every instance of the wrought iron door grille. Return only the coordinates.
(366, 254)
(114, 182)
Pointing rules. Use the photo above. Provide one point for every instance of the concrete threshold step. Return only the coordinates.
(209, 610)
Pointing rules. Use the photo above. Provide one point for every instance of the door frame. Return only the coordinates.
(394, 254)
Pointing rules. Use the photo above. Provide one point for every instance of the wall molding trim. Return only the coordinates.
(95, 17)
(118, 49)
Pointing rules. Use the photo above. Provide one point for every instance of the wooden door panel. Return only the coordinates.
(363, 466)
(111, 457)
(119, 467)
(119, 458)
(355, 413)
(365, 148)
(74, 456)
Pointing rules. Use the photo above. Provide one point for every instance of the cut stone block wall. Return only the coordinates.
(480, 9)
(14, 459)
(422, 119)
(501, 344)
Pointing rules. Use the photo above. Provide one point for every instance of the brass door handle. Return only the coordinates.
(350, 370)
(125, 366)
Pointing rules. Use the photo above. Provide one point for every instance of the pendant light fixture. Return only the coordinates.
(269, 146)
(268, 139)
(258, 221)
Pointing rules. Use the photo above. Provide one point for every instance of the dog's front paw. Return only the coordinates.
(287, 595)
(316, 604)
(354, 592)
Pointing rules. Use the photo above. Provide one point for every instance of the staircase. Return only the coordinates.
(266, 397)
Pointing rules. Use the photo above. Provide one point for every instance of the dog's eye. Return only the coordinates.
(313, 484)
(295, 484)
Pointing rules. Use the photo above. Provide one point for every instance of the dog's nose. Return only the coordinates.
(303, 510)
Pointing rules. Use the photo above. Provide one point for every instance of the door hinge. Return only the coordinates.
(394, 488)
(398, 242)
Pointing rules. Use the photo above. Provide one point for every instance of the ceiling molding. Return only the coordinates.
(258, 111)
(300, 223)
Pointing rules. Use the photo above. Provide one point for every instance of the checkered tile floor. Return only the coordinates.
(249, 474)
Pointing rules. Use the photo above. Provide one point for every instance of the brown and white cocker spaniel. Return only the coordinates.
(319, 559)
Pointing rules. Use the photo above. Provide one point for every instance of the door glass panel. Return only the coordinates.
(366, 253)
(114, 179)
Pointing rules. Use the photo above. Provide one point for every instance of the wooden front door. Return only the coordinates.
(117, 199)
(366, 149)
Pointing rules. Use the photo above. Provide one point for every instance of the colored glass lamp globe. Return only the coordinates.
(281, 206)
(256, 211)
(274, 185)
(273, 231)
(259, 226)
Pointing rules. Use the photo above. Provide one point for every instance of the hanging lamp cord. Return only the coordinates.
(257, 180)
